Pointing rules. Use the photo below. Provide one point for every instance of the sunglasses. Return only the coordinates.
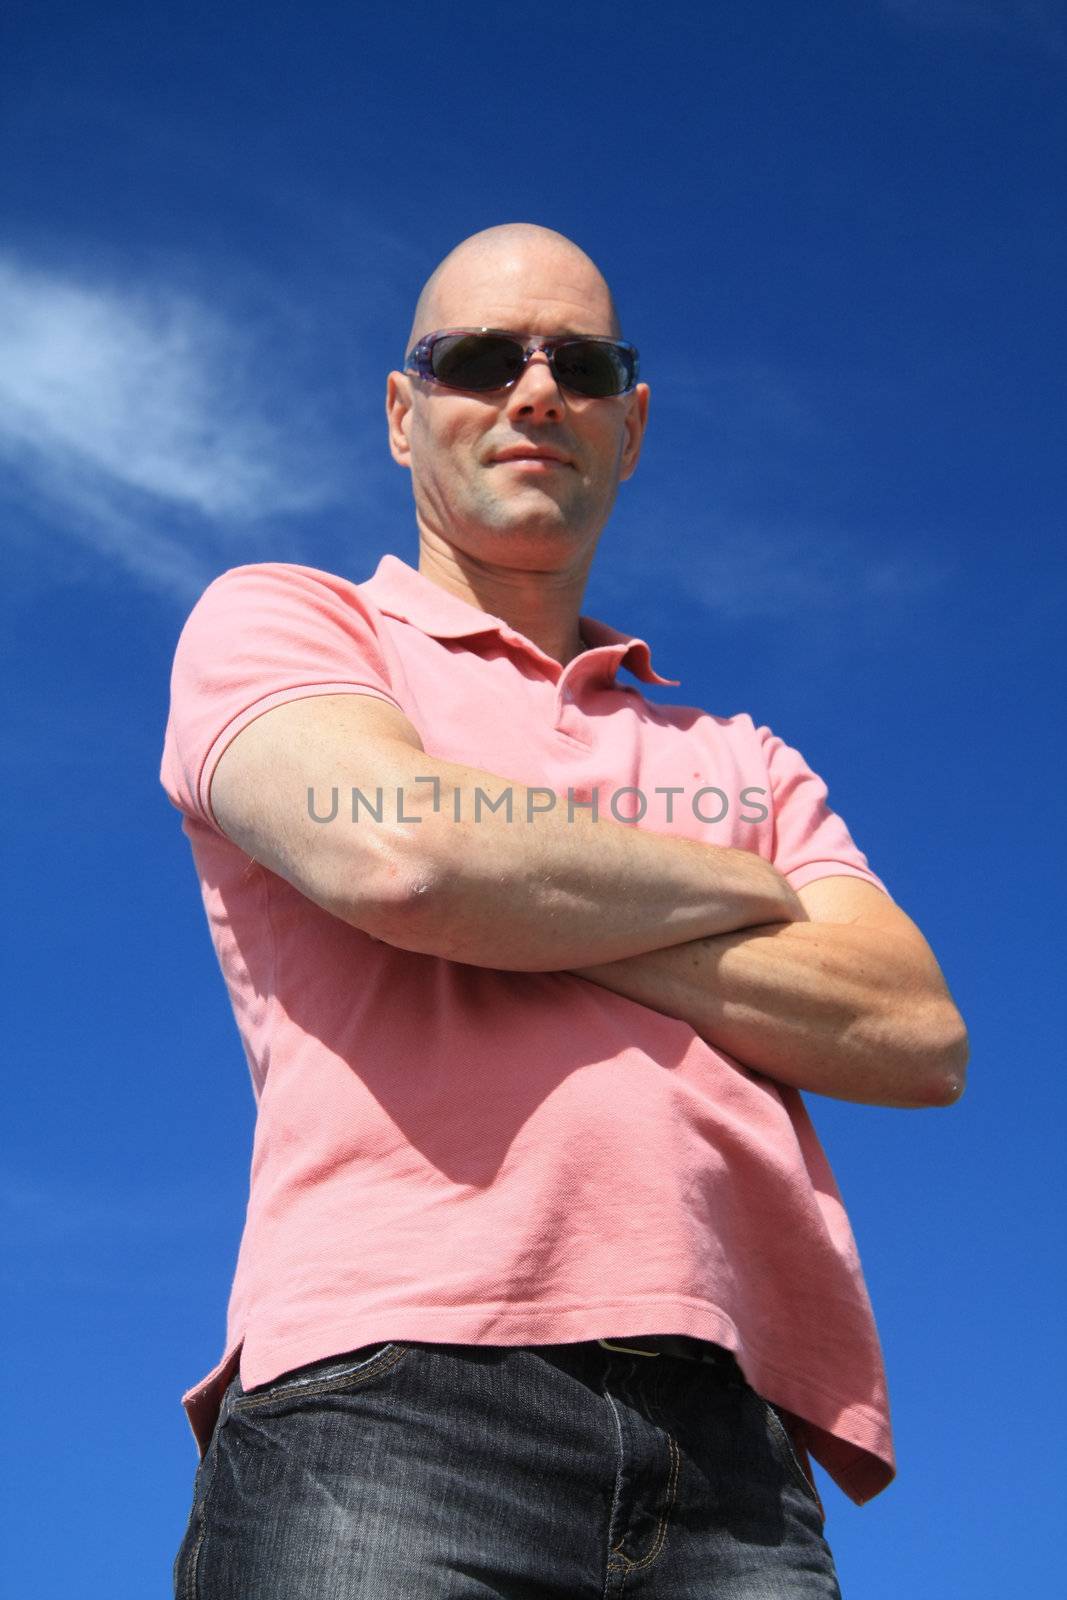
(480, 359)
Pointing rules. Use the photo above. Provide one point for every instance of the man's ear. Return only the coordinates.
(398, 402)
(636, 423)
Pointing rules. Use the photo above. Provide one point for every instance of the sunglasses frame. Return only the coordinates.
(420, 358)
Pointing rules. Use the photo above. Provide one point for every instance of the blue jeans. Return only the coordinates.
(413, 1471)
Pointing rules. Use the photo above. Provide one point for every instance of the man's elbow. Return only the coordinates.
(391, 888)
(421, 912)
(950, 1050)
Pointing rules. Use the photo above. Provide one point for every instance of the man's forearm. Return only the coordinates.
(841, 1010)
(552, 890)
(445, 859)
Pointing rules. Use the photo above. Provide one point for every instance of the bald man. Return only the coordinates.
(545, 1287)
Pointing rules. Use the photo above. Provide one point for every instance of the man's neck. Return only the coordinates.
(542, 606)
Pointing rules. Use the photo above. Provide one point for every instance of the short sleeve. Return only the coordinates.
(810, 840)
(258, 637)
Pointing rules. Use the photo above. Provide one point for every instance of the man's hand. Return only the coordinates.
(848, 1003)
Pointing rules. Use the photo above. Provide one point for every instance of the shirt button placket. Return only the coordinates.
(569, 719)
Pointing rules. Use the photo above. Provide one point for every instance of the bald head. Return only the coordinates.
(500, 264)
(484, 499)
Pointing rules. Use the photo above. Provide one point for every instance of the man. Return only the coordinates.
(545, 1287)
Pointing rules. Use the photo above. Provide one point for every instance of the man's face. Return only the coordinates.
(523, 511)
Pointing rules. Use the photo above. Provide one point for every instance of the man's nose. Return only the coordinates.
(536, 392)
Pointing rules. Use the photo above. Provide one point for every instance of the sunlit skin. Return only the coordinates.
(843, 996)
(516, 538)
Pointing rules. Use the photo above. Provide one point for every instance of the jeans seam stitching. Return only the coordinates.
(310, 1386)
(618, 1484)
(617, 1553)
(782, 1434)
(661, 1531)
(191, 1586)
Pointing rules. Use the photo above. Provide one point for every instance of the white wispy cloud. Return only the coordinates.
(139, 415)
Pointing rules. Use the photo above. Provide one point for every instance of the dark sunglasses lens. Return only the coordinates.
(592, 368)
(476, 360)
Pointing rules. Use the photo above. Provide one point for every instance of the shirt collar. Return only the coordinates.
(402, 591)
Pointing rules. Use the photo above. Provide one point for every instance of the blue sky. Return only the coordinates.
(836, 233)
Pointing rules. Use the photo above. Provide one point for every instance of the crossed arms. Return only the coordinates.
(831, 989)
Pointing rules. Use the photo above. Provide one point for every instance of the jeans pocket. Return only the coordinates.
(333, 1373)
(787, 1452)
(186, 1563)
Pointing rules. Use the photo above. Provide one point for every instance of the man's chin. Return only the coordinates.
(535, 537)
(537, 510)
(536, 530)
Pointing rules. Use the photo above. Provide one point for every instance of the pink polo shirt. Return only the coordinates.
(451, 1153)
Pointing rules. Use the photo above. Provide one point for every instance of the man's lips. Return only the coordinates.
(531, 456)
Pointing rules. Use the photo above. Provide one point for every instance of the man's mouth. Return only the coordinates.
(530, 458)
